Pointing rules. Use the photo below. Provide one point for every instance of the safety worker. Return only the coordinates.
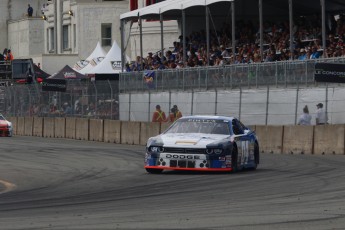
(178, 113)
(158, 115)
(174, 114)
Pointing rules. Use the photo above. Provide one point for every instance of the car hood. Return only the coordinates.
(4, 123)
(190, 140)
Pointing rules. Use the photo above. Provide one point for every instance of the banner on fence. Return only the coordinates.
(330, 72)
(54, 85)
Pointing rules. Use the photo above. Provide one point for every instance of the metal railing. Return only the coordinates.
(279, 74)
(100, 99)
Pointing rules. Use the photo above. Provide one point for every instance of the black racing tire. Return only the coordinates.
(234, 163)
(154, 171)
(256, 153)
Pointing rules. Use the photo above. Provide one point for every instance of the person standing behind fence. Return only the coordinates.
(305, 118)
(178, 113)
(321, 116)
(158, 115)
(30, 10)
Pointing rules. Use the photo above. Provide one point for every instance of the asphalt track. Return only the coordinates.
(69, 184)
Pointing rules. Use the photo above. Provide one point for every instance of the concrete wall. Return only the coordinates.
(26, 37)
(38, 127)
(82, 129)
(147, 130)
(70, 127)
(130, 132)
(28, 126)
(323, 139)
(270, 138)
(298, 139)
(112, 131)
(329, 139)
(60, 127)
(49, 127)
(96, 130)
(20, 126)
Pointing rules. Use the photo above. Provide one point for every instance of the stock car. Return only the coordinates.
(6, 128)
(203, 143)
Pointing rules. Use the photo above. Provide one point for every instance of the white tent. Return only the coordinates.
(94, 58)
(111, 63)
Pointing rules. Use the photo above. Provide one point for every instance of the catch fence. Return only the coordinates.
(135, 94)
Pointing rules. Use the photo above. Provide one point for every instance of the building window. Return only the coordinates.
(74, 36)
(133, 4)
(65, 37)
(106, 34)
(51, 40)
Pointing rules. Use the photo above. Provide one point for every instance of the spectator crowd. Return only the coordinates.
(307, 34)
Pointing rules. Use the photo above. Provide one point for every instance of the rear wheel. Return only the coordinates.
(256, 156)
(234, 164)
(154, 171)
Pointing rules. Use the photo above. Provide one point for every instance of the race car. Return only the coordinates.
(203, 143)
(6, 129)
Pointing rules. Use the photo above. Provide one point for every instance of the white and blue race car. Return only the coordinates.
(203, 143)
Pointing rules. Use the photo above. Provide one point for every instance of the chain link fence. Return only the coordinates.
(135, 92)
(82, 99)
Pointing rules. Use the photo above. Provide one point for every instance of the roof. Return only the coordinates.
(208, 117)
(171, 8)
(67, 73)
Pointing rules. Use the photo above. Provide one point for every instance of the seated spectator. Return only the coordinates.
(303, 55)
(314, 53)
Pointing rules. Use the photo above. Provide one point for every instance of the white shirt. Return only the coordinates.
(305, 119)
(321, 116)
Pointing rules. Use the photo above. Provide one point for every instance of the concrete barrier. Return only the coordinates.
(96, 130)
(20, 126)
(38, 127)
(270, 138)
(130, 132)
(82, 129)
(329, 139)
(298, 139)
(60, 127)
(70, 127)
(48, 127)
(28, 126)
(147, 130)
(165, 126)
(14, 123)
(112, 131)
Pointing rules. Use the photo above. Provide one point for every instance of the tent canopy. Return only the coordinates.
(94, 58)
(111, 63)
(170, 8)
(67, 73)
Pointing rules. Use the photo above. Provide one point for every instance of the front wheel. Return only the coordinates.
(154, 171)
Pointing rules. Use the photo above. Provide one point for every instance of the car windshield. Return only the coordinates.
(2, 118)
(207, 126)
